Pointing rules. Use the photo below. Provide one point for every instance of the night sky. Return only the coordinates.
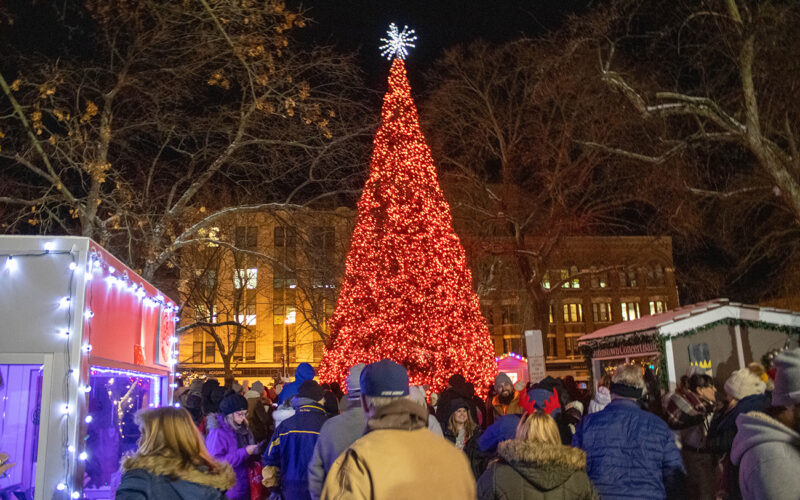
(358, 25)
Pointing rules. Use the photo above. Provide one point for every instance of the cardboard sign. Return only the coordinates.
(535, 350)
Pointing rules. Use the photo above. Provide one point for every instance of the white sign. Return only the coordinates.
(533, 344)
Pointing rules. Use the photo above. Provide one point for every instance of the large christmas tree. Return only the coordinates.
(407, 293)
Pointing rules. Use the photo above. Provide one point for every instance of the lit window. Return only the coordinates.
(657, 306)
(630, 311)
(249, 316)
(564, 277)
(246, 277)
(573, 313)
(601, 312)
(571, 344)
(546, 281)
(197, 352)
(250, 351)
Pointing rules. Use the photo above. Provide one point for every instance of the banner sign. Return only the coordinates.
(626, 350)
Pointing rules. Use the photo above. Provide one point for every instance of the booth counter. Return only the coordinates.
(84, 344)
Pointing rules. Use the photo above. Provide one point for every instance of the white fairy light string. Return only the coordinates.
(396, 46)
(121, 281)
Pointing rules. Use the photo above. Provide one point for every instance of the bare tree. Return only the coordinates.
(505, 123)
(184, 114)
(721, 82)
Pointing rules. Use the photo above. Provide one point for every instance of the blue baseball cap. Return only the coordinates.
(384, 378)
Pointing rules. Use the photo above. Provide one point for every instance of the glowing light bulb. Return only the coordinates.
(61, 486)
(72, 266)
(75, 494)
(88, 419)
(11, 264)
(88, 314)
(66, 409)
(64, 302)
(71, 449)
(87, 348)
(83, 456)
(49, 246)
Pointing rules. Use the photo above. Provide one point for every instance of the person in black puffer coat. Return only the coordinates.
(463, 432)
(172, 462)
(536, 466)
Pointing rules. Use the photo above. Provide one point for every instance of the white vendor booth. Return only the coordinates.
(84, 344)
(719, 336)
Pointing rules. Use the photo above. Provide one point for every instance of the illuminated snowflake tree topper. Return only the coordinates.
(396, 46)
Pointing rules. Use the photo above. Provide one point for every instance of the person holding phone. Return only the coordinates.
(230, 440)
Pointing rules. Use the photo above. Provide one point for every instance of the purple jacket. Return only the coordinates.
(221, 444)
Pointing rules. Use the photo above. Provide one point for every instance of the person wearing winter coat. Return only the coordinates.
(630, 453)
(745, 392)
(172, 462)
(689, 411)
(602, 396)
(229, 440)
(766, 448)
(257, 417)
(398, 457)
(289, 454)
(337, 434)
(536, 466)
(303, 372)
(506, 400)
(463, 432)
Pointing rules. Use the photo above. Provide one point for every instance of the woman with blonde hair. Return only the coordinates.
(535, 465)
(172, 462)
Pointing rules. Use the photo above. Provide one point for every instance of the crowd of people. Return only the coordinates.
(384, 439)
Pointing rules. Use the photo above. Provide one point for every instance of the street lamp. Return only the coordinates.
(291, 318)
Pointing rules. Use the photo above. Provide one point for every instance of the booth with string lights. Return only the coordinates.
(84, 344)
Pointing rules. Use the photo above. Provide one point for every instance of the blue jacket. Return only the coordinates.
(292, 447)
(303, 372)
(503, 429)
(630, 453)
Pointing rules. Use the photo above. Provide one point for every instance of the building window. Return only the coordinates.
(600, 280)
(284, 237)
(201, 313)
(546, 281)
(512, 344)
(630, 311)
(601, 312)
(576, 281)
(564, 274)
(552, 315)
(245, 277)
(250, 351)
(246, 237)
(211, 349)
(573, 313)
(571, 344)
(655, 275)
(238, 354)
(551, 346)
(249, 316)
(657, 306)
(510, 315)
(627, 279)
(197, 352)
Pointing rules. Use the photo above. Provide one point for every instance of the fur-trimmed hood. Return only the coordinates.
(157, 465)
(543, 465)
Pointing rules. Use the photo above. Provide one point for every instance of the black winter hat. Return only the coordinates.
(232, 403)
(311, 389)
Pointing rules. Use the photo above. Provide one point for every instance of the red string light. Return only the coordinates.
(407, 293)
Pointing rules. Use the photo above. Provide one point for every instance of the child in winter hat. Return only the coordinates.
(743, 383)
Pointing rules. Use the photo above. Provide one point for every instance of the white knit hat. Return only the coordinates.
(787, 379)
(743, 383)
